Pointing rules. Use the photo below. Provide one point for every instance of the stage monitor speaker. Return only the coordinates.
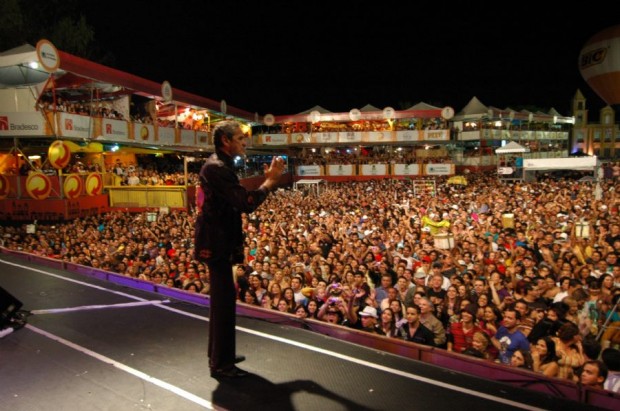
(9, 305)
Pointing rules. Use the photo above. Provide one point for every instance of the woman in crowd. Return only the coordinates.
(313, 308)
(468, 278)
(191, 287)
(607, 284)
(522, 359)
(544, 357)
(398, 310)
(450, 305)
(388, 323)
(288, 295)
(275, 291)
(249, 297)
(463, 291)
(481, 303)
(301, 311)
(266, 302)
(278, 278)
(569, 350)
(284, 307)
(417, 296)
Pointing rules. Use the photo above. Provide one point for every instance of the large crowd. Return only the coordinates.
(524, 274)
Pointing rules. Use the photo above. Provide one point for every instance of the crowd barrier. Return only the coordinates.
(436, 356)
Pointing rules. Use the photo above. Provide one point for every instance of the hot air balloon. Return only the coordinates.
(599, 64)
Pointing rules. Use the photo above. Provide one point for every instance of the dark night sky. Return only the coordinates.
(283, 57)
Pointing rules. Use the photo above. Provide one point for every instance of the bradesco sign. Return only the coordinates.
(22, 124)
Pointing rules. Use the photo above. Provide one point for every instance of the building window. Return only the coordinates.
(579, 136)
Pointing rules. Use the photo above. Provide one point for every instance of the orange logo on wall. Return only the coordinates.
(59, 154)
(4, 123)
(72, 186)
(93, 184)
(38, 186)
(5, 187)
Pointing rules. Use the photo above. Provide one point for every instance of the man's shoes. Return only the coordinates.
(232, 372)
(239, 358)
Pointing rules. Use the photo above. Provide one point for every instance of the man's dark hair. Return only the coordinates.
(415, 307)
(611, 358)
(591, 346)
(603, 371)
(568, 331)
(574, 283)
(512, 310)
(224, 129)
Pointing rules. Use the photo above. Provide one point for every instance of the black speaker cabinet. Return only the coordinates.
(9, 305)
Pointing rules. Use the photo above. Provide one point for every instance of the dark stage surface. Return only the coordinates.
(92, 345)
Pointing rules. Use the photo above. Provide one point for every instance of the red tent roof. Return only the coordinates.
(81, 71)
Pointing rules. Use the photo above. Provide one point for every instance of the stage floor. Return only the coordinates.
(93, 345)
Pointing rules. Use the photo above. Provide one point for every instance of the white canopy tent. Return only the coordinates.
(532, 165)
(509, 166)
(314, 186)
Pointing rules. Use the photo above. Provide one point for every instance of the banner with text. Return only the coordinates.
(438, 169)
(309, 171)
(406, 169)
(23, 124)
(373, 170)
(340, 170)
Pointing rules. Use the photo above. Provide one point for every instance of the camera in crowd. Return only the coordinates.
(335, 289)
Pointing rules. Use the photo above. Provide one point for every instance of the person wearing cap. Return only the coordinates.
(419, 280)
(368, 321)
(461, 266)
(331, 312)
